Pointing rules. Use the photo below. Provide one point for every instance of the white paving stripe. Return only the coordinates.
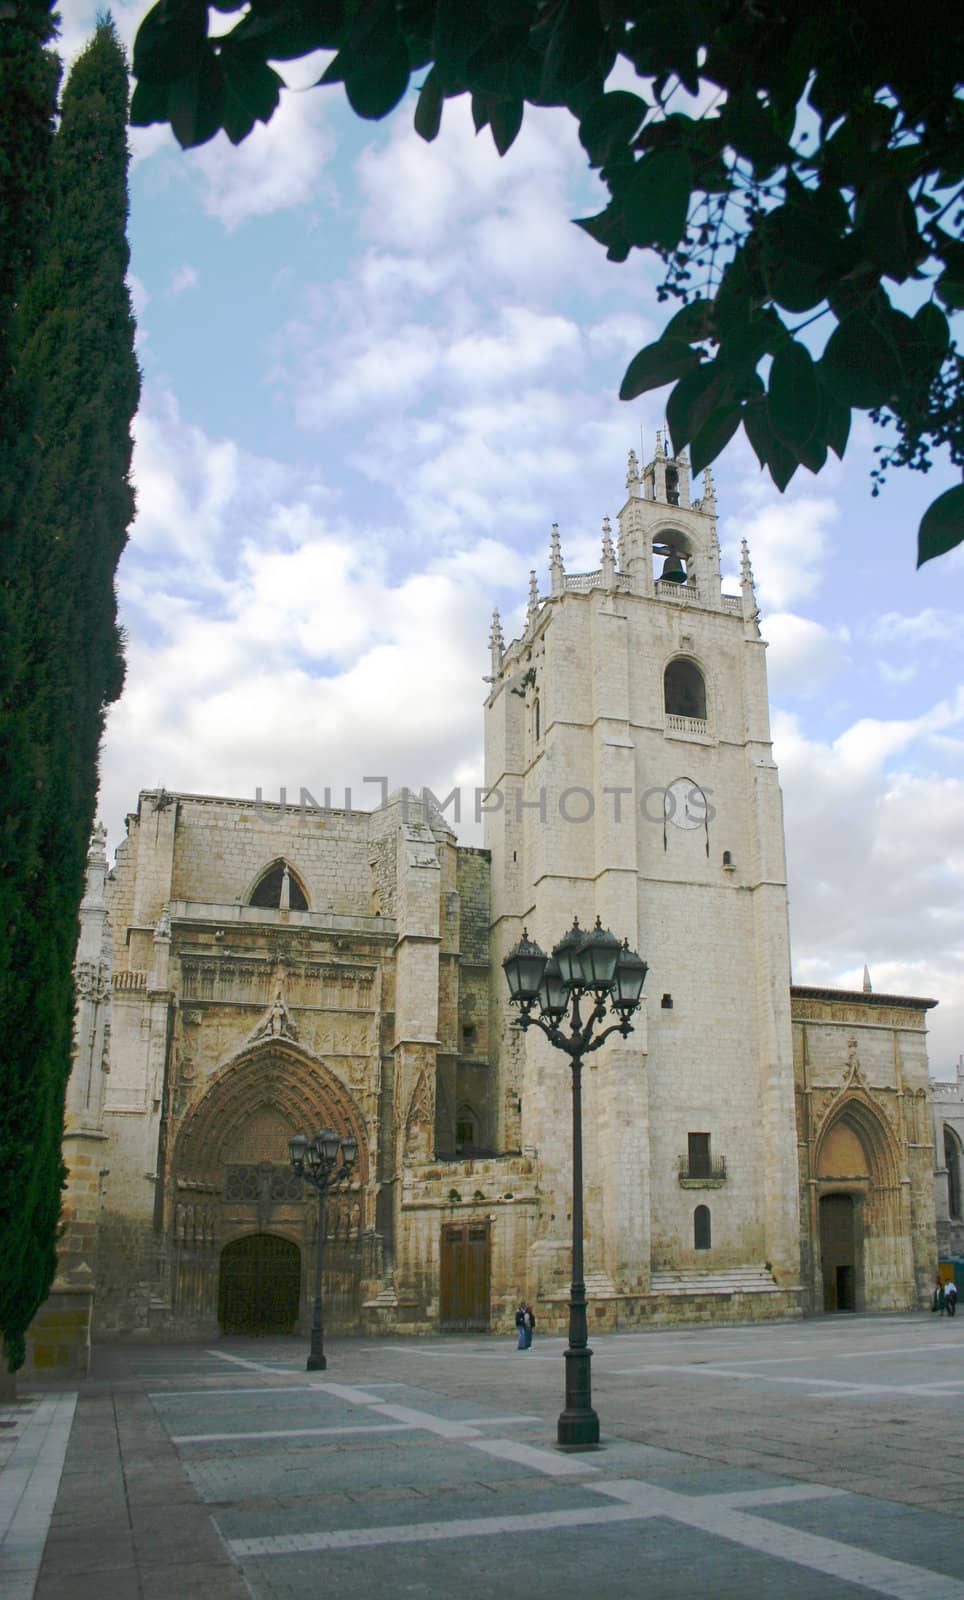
(529, 1455)
(718, 1515)
(843, 1562)
(253, 1366)
(28, 1493)
(819, 1387)
(286, 1544)
(293, 1433)
(349, 1392)
(442, 1426)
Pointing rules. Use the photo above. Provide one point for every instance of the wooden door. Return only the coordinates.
(464, 1277)
(260, 1285)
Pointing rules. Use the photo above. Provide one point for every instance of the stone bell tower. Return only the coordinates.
(630, 773)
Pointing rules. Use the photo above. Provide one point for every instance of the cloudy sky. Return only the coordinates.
(375, 372)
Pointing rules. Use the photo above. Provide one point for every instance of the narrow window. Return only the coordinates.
(684, 691)
(701, 1228)
(538, 721)
(952, 1161)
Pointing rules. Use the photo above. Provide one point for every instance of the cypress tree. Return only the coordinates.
(76, 362)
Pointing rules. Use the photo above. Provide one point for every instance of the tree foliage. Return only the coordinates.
(72, 344)
(794, 164)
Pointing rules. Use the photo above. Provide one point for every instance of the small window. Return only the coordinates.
(684, 691)
(466, 1129)
(278, 886)
(698, 1154)
(672, 485)
(701, 1228)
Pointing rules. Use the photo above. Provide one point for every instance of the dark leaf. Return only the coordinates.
(860, 365)
(291, 29)
(171, 41)
(657, 364)
(505, 121)
(693, 322)
(930, 324)
(428, 112)
(656, 198)
(149, 104)
(374, 87)
(251, 92)
(576, 51)
(942, 525)
(607, 229)
(714, 436)
(886, 232)
(836, 424)
(770, 452)
(195, 103)
(753, 129)
(692, 402)
(610, 124)
(793, 401)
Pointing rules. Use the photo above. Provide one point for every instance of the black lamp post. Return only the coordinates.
(324, 1162)
(595, 965)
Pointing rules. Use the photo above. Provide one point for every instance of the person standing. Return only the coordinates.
(950, 1297)
(528, 1323)
(520, 1322)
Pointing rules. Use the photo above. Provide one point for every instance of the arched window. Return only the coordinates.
(278, 887)
(466, 1129)
(952, 1161)
(701, 1228)
(684, 692)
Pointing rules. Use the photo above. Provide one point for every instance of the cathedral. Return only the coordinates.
(251, 971)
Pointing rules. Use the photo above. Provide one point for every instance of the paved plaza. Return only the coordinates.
(816, 1459)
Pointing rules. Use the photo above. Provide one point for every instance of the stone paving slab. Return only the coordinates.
(793, 1459)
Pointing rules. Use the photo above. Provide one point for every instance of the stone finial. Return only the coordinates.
(162, 928)
(709, 492)
(557, 571)
(608, 555)
(659, 442)
(632, 470)
(496, 642)
(532, 610)
(868, 986)
(284, 901)
(97, 849)
(746, 570)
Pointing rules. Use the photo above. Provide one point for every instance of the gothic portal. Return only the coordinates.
(250, 971)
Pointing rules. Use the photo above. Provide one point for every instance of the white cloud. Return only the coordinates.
(876, 863)
(802, 654)
(186, 277)
(277, 167)
(788, 542)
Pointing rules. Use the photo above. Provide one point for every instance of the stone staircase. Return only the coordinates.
(741, 1280)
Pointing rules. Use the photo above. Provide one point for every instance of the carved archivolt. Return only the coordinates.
(273, 1073)
(856, 1107)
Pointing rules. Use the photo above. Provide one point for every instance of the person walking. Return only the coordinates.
(528, 1323)
(950, 1297)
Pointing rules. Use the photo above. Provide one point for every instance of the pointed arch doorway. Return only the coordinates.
(861, 1258)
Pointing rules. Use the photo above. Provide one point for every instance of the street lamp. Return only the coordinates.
(595, 965)
(324, 1162)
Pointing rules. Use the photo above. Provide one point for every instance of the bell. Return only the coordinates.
(673, 570)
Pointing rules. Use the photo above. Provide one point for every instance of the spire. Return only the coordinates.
(608, 555)
(557, 571)
(632, 470)
(659, 442)
(709, 493)
(496, 642)
(868, 986)
(532, 611)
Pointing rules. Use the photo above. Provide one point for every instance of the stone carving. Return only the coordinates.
(278, 1024)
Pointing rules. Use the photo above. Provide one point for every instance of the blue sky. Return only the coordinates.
(375, 372)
